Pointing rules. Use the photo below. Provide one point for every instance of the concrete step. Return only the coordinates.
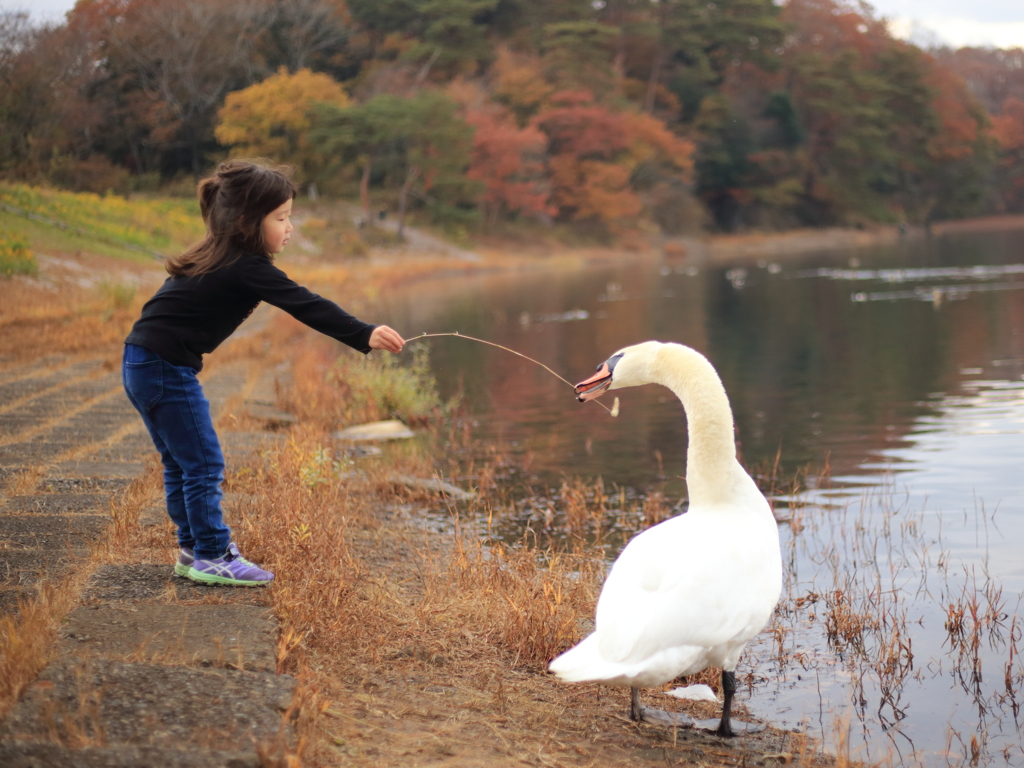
(95, 470)
(49, 531)
(24, 567)
(157, 583)
(31, 454)
(43, 755)
(128, 704)
(53, 482)
(229, 636)
(57, 504)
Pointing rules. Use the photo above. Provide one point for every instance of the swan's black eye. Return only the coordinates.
(612, 361)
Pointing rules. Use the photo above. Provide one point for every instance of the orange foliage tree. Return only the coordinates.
(594, 153)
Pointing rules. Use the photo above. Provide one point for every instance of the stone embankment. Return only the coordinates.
(147, 669)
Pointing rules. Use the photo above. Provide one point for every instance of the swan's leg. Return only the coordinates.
(636, 712)
(728, 689)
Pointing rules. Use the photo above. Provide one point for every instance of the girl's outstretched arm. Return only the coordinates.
(386, 338)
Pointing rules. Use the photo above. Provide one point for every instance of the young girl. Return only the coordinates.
(212, 289)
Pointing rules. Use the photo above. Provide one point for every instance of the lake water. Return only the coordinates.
(895, 375)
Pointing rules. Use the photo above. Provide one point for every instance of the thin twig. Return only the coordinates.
(613, 410)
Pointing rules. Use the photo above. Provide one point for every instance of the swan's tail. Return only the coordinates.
(584, 663)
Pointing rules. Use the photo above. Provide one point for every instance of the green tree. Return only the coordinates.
(455, 36)
(578, 54)
(723, 162)
(694, 43)
(386, 16)
(426, 144)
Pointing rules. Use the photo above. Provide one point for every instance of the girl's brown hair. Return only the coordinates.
(234, 202)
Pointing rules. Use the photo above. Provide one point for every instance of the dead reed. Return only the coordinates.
(873, 581)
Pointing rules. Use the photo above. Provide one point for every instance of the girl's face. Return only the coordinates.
(277, 227)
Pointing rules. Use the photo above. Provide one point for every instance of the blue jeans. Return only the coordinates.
(177, 414)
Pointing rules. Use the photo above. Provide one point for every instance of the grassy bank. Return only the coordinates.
(110, 225)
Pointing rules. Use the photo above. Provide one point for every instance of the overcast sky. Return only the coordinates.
(953, 22)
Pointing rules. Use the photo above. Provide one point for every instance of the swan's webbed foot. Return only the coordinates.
(641, 714)
(726, 725)
(672, 719)
(736, 727)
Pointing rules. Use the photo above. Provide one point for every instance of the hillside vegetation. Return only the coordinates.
(605, 117)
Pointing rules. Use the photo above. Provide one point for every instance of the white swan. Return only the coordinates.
(688, 593)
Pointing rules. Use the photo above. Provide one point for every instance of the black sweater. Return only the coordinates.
(190, 316)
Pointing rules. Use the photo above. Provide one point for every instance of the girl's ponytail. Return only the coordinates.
(234, 202)
(208, 189)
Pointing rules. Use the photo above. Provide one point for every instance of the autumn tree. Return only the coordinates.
(992, 75)
(802, 112)
(181, 58)
(594, 153)
(518, 82)
(508, 162)
(272, 118)
(1008, 131)
(891, 133)
(854, 126)
(27, 101)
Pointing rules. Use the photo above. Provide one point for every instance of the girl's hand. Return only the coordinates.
(386, 338)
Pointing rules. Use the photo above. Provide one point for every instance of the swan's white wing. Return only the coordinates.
(699, 580)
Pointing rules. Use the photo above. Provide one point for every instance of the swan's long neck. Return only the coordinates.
(711, 455)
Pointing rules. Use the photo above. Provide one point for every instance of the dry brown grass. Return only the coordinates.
(26, 637)
(35, 319)
(80, 303)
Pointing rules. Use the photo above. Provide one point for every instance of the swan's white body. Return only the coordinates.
(690, 592)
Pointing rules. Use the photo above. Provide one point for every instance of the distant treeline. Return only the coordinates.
(609, 114)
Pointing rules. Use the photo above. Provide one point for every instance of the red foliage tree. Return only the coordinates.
(508, 161)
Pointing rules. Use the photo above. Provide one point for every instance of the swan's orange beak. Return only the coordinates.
(595, 386)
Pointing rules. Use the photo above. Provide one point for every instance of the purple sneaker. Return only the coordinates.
(231, 569)
(185, 558)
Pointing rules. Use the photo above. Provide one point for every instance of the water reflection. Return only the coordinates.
(913, 404)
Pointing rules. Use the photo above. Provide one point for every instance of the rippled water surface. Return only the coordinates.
(894, 374)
